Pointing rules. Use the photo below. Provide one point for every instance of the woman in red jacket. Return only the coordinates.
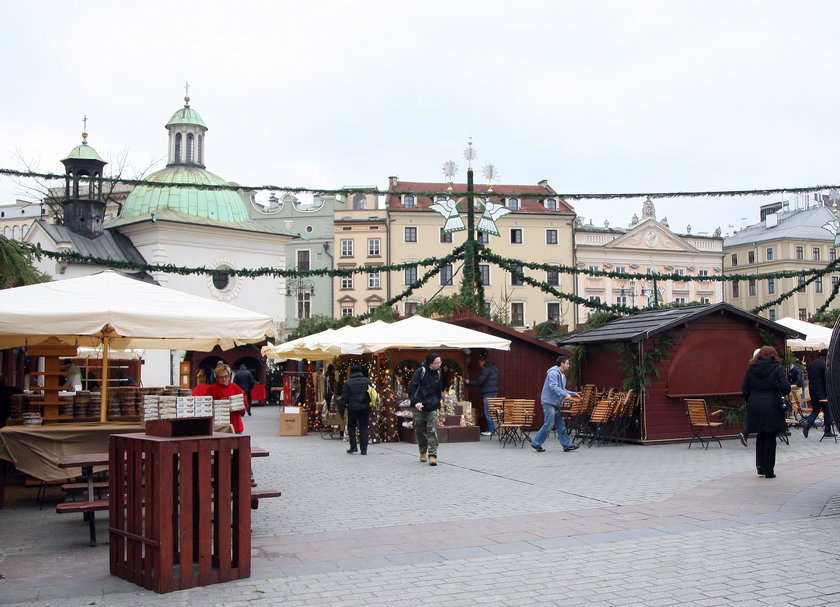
(225, 388)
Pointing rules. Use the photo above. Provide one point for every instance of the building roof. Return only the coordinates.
(644, 325)
(799, 224)
(527, 205)
(175, 216)
(108, 245)
(215, 204)
(186, 115)
(83, 152)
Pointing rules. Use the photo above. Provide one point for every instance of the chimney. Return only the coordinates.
(543, 183)
(393, 180)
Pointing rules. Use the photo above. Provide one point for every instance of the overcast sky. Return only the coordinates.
(594, 96)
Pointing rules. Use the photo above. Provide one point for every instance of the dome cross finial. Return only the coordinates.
(84, 130)
(186, 94)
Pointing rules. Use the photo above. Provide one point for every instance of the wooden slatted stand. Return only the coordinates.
(180, 513)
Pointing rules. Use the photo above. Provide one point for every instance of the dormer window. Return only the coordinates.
(512, 204)
(550, 204)
(409, 202)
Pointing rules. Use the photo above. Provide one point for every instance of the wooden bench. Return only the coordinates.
(76, 487)
(258, 494)
(96, 506)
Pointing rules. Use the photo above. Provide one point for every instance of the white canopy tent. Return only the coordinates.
(817, 337)
(413, 332)
(113, 311)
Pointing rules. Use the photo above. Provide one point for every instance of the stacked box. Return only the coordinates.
(168, 407)
(221, 411)
(151, 407)
(185, 406)
(203, 406)
(237, 402)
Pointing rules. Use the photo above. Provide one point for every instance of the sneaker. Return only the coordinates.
(433, 460)
(351, 450)
(572, 448)
(537, 448)
(805, 430)
(486, 434)
(253, 483)
(423, 457)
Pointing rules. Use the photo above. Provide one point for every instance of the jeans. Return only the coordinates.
(361, 419)
(816, 407)
(491, 424)
(552, 416)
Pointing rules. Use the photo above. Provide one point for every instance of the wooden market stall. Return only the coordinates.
(690, 352)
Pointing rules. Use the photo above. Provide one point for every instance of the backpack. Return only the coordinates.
(372, 395)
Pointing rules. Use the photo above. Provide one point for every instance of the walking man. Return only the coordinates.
(819, 392)
(488, 381)
(553, 394)
(425, 390)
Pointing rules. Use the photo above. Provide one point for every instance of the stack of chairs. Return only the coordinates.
(517, 417)
(624, 416)
(496, 406)
(602, 418)
(578, 410)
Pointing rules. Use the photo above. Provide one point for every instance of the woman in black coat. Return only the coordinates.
(354, 398)
(764, 383)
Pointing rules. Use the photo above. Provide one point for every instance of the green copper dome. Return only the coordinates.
(221, 205)
(83, 152)
(186, 115)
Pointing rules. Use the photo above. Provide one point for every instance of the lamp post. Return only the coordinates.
(472, 290)
(303, 290)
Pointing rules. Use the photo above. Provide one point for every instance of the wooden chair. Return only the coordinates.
(496, 406)
(602, 419)
(699, 420)
(516, 421)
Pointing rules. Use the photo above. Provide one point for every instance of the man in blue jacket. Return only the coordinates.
(554, 392)
(488, 381)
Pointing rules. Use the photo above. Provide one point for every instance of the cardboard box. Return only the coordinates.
(294, 424)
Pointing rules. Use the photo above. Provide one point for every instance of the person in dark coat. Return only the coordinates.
(354, 398)
(425, 391)
(488, 381)
(243, 378)
(764, 383)
(819, 391)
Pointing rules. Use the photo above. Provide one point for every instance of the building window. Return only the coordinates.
(736, 289)
(483, 237)
(594, 268)
(705, 300)
(410, 276)
(411, 308)
(734, 259)
(445, 236)
(346, 311)
(679, 272)
(446, 275)
(595, 299)
(832, 254)
(621, 269)
(347, 282)
(409, 202)
(347, 248)
(411, 234)
(800, 252)
(359, 201)
(513, 204)
(374, 280)
(818, 285)
(834, 281)
(178, 147)
(750, 256)
(190, 147)
(550, 204)
(771, 286)
(816, 253)
(516, 236)
(553, 311)
(517, 314)
(304, 304)
(303, 260)
(803, 314)
(772, 312)
(751, 287)
(374, 247)
(801, 284)
(220, 281)
(484, 274)
(769, 253)
(552, 277)
(621, 300)
(650, 270)
(679, 300)
(515, 280)
(703, 273)
(551, 237)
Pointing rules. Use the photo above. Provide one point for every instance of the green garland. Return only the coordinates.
(638, 374)
(432, 193)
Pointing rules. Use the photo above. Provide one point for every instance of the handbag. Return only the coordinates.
(787, 407)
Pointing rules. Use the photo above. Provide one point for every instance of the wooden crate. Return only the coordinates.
(180, 512)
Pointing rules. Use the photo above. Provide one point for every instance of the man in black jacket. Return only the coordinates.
(488, 381)
(819, 392)
(354, 398)
(242, 377)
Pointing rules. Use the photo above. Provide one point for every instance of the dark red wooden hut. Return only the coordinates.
(521, 369)
(706, 350)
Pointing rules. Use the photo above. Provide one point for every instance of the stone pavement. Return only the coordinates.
(614, 525)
